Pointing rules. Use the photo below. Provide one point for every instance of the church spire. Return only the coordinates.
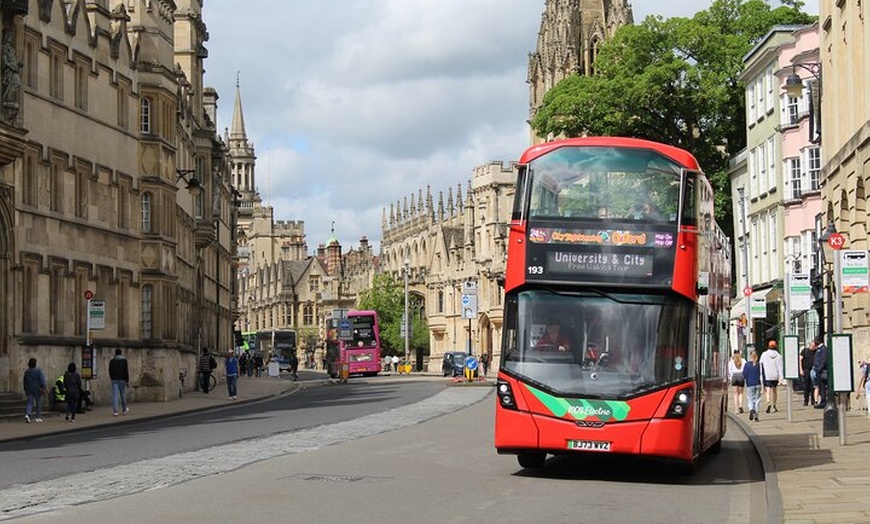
(237, 132)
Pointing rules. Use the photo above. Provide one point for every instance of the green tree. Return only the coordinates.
(674, 81)
(387, 297)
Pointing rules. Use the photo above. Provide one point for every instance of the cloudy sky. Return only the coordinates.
(356, 104)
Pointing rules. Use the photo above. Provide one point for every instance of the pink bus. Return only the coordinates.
(355, 340)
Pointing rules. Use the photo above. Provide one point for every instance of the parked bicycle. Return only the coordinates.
(182, 374)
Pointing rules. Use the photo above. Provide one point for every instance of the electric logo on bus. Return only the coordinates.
(582, 409)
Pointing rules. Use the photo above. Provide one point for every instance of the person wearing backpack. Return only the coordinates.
(206, 364)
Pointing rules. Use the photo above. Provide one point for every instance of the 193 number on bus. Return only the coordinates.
(535, 270)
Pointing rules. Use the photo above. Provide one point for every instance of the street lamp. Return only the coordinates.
(747, 329)
(830, 420)
(189, 177)
(407, 322)
(794, 87)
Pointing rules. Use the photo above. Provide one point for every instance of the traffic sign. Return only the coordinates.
(89, 294)
(747, 291)
(837, 241)
(471, 363)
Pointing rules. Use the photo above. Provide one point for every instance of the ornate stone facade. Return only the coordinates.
(458, 240)
(102, 196)
(571, 32)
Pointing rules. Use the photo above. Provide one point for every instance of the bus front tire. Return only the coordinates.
(532, 459)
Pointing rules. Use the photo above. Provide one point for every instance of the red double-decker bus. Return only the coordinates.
(616, 295)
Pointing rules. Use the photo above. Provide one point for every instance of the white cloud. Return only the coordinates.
(356, 105)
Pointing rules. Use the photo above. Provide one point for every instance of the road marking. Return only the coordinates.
(164, 472)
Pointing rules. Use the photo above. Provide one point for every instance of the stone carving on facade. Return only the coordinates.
(14, 7)
(118, 29)
(45, 10)
(10, 73)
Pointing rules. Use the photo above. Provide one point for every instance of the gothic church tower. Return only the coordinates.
(571, 32)
(242, 163)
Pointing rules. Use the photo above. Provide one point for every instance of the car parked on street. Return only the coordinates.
(453, 364)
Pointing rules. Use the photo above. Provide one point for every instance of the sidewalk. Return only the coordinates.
(250, 389)
(811, 478)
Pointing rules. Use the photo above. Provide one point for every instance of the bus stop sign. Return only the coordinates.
(345, 330)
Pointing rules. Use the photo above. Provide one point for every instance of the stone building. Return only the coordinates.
(841, 76)
(571, 33)
(442, 246)
(114, 184)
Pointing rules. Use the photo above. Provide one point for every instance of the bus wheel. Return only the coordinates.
(532, 459)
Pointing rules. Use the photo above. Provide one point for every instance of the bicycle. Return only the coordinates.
(212, 381)
(182, 374)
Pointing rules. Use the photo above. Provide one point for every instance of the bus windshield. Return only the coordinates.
(596, 345)
(363, 332)
(607, 183)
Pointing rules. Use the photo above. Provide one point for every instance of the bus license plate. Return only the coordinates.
(589, 445)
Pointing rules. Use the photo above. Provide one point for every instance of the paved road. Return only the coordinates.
(429, 462)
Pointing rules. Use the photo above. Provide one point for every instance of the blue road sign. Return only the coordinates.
(471, 363)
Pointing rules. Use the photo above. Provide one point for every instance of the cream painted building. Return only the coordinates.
(114, 182)
(845, 141)
(775, 189)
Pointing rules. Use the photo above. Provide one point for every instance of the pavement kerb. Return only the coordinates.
(119, 421)
(775, 511)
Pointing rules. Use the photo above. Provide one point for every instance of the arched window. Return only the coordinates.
(147, 309)
(146, 213)
(145, 113)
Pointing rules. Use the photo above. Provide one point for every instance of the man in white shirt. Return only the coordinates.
(771, 373)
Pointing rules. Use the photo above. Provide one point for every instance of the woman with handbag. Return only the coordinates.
(735, 376)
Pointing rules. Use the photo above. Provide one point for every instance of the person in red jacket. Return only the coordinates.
(553, 339)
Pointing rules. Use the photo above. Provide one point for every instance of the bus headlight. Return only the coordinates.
(680, 404)
(505, 395)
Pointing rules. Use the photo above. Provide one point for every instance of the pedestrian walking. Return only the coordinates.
(258, 364)
(294, 366)
(819, 373)
(484, 362)
(119, 374)
(72, 383)
(771, 374)
(231, 367)
(752, 378)
(808, 354)
(243, 364)
(864, 383)
(735, 377)
(395, 361)
(34, 388)
(206, 364)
